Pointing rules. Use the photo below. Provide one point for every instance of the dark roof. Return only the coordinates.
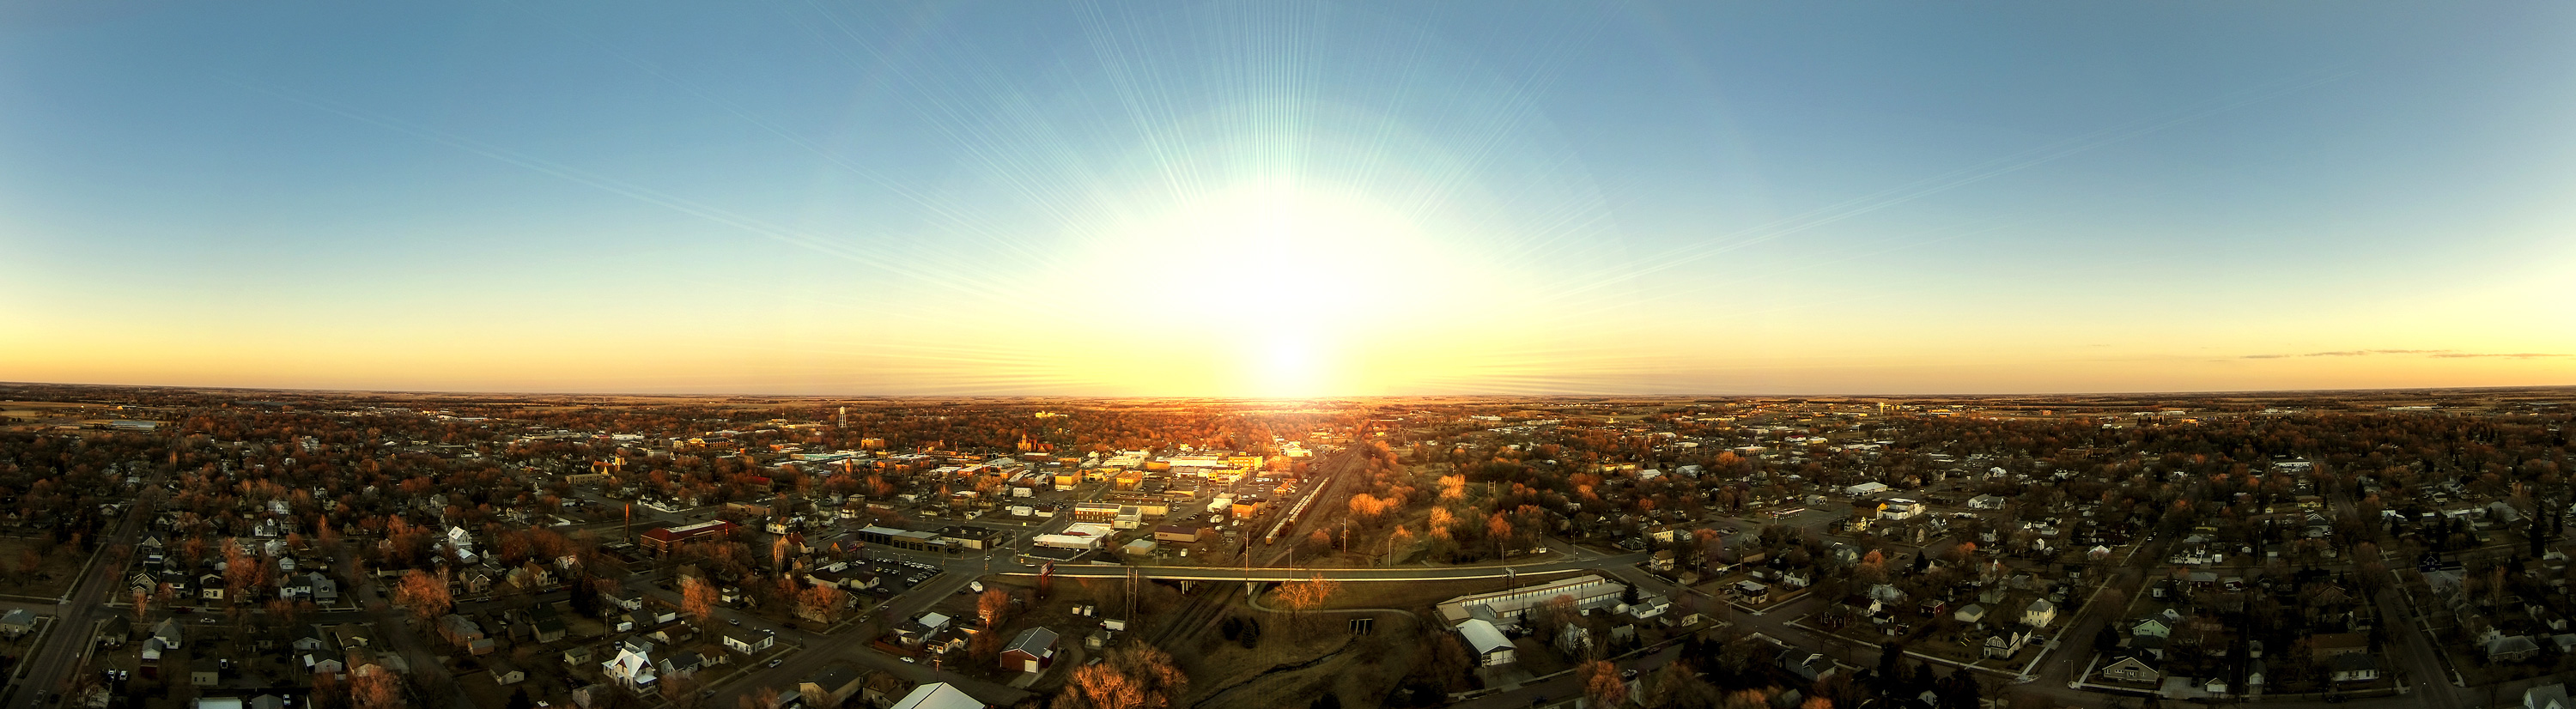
(1034, 641)
(834, 676)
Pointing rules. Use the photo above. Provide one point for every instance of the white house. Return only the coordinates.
(2153, 628)
(2130, 669)
(747, 643)
(2005, 644)
(937, 695)
(2354, 667)
(632, 666)
(2547, 696)
(1900, 509)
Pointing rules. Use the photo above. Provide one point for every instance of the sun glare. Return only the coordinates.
(1285, 274)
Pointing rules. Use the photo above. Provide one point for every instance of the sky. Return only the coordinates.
(1288, 199)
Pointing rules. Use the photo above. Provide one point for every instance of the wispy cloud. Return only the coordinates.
(2445, 354)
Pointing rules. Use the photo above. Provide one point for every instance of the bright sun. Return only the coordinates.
(1282, 279)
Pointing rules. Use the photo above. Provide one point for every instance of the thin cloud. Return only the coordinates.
(2444, 354)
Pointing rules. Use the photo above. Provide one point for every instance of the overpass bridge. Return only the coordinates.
(1274, 574)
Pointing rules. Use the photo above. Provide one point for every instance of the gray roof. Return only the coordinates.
(1034, 641)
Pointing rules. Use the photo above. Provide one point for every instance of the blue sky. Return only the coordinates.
(1287, 199)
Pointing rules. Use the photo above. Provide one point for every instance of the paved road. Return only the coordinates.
(66, 644)
(850, 645)
(1445, 573)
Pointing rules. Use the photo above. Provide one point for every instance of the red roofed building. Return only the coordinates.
(661, 541)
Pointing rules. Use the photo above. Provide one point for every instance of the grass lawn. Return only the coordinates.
(53, 574)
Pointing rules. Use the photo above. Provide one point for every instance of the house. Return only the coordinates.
(322, 589)
(1031, 651)
(1648, 605)
(2040, 613)
(1753, 591)
(2152, 628)
(2147, 645)
(2130, 669)
(169, 632)
(684, 664)
(505, 674)
(1574, 639)
(748, 643)
(1971, 613)
(2354, 667)
(937, 695)
(322, 662)
(2511, 648)
(546, 625)
(882, 689)
(830, 687)
(1806, 665)
(17, 623)
(205, 672)
(1899, 509)
(1487, 641)
(632, 665)
(2547, 696)
(115, 631)
(460, 629)
(2005, 644)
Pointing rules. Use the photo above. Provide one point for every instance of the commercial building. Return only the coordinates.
(1506, 608)
(662, 541)
(903, 538)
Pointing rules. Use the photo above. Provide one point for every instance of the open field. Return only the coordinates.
(52, 574)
